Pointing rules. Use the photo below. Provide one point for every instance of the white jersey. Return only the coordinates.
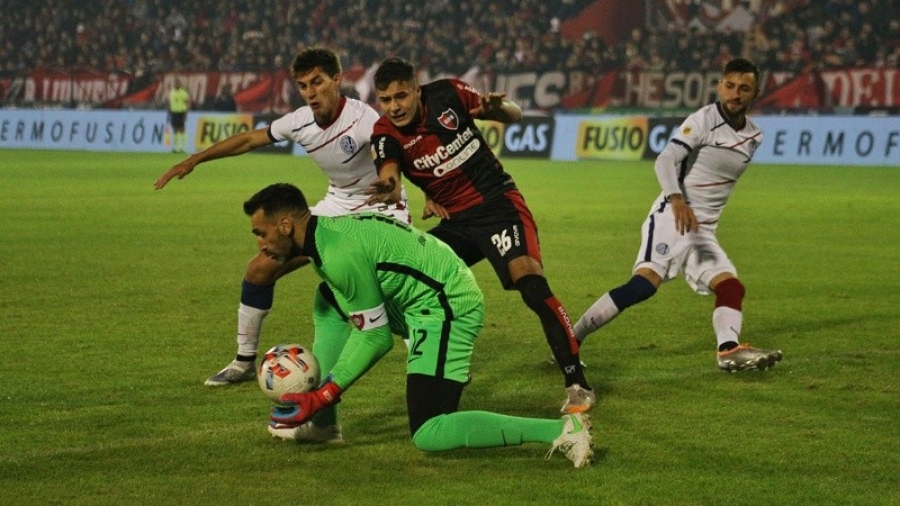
(341, 150)
(703, 161)
(718, 155)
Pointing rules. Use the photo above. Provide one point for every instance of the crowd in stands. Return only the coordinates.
(441, 36)
(781, 35)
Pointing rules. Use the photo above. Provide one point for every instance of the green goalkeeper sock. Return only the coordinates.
(482, 429)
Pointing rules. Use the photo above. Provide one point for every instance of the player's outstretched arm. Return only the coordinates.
(234, 145)
(495, 106)
(387, 190)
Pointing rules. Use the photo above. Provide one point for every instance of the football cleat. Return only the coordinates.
(235, 372)
(308, 433)
(578, 400)
(576, 440)
(744, 356)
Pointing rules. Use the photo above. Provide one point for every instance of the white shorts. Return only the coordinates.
(337, 203)
(697, 254)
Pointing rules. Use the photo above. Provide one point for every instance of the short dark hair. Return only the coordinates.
(742, 66)
(313, 57)
(277, 198)
(394, 70)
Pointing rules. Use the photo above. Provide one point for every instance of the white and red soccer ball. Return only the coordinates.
(287, 369)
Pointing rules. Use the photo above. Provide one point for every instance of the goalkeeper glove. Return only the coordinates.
(300, 408)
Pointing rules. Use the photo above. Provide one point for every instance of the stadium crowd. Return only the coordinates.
(440, 36)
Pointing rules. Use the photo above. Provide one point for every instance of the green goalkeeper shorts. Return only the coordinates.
(442, 348)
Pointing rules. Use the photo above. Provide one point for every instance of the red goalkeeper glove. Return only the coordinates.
(300, 408)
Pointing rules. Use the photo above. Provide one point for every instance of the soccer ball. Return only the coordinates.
(287, 369)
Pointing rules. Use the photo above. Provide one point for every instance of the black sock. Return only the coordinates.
(728, 345)
(535, 291)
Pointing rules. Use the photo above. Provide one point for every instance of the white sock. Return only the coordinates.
(727, 325)
(598, 315)
(250, 321)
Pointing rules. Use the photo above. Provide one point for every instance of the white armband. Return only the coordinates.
(370, 318)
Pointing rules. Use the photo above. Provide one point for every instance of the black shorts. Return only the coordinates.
(500, 231)
(177, 119)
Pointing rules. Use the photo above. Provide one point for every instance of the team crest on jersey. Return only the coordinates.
(348, 144)
(449, 119)
(752, 145)
(662, 248)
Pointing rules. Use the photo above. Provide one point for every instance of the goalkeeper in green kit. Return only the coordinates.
(390, 278)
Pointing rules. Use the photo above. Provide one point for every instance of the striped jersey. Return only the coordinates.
(718, 154)
(443, 151)
(340, 149)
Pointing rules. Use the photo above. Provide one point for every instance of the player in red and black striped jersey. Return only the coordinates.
(428, 134)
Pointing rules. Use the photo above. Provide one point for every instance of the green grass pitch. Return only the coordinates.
(117, 301)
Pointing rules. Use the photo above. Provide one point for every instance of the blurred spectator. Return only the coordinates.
(723, 56)
(224, 101)
(442, 37)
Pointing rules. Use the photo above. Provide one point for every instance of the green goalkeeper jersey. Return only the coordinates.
(391, 278)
